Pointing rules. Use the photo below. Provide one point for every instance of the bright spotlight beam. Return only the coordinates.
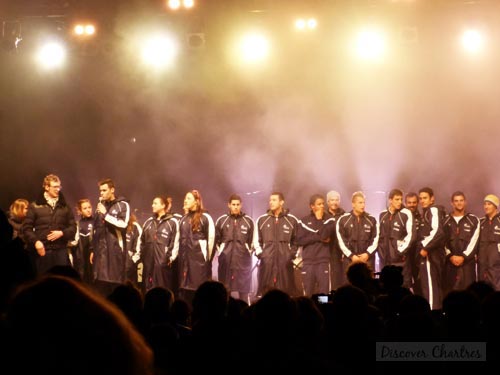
(159, 52)
(473, 41)
(51, 55)
(370, 45)
(254, 48)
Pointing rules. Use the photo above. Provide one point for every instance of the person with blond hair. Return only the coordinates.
(49, 226)
(358, 233)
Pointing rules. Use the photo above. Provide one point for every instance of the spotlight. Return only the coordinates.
(254, 48)
(188, 4)
(174, 4)
(177, 4)
(473, 41)
(90, 29)
(159, 52)
(302, 24)
(370, 45)
(312, 23)
(84, 29)
(51, 55)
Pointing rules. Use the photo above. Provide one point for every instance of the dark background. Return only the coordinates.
(310, 121)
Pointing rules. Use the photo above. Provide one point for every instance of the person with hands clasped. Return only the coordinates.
(49, 225)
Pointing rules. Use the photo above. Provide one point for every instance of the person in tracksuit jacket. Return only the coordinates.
(397, 234)
(410, 269)
(489, 243)
(160, 247)
(83, 241)
(358, 233)
(196, 244)
(109, 254)
(315, 250)
(337, 272)
(461, 230)
(276, 247)
(234, 233)
(430, 250)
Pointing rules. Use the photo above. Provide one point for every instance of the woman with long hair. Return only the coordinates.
(197, 236)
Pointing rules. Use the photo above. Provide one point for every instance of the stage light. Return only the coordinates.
(370, 45)
(312, 23)
(84, 30)
(79, 29)
(473, 41)
(177, 4)
(254, 48)
(89, 29)
(159, 52)
(302, 24)
(174, 4)
(51, 55)
(188, 4)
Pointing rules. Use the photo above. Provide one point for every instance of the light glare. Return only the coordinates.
(51, 55)
(473, 41)
(370, 45)
(174, 4)
(188, 4)
(159, 52)
(254, 48)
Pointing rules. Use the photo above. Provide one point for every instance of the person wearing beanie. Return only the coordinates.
(489, 243)
(492, 199)
(337, 271)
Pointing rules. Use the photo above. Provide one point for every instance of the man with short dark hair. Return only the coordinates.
(410, 269)
(461, 230)
(276, 247)
(49, 226)
(430, 250)
(109, 254)
(234, 234)
(315, 252)
(396, 233)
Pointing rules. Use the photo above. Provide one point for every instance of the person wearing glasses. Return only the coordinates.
(49, 225)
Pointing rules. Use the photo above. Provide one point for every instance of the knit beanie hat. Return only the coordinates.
(492, 199)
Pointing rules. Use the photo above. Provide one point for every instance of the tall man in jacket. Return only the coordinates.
(109, 254)
(234, 233)
(461, 230)
(276, 247)
(49, 226)
(430, 250)
(397, 233)
(358, 233)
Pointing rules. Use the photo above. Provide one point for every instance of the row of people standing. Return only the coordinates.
(438, 251)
